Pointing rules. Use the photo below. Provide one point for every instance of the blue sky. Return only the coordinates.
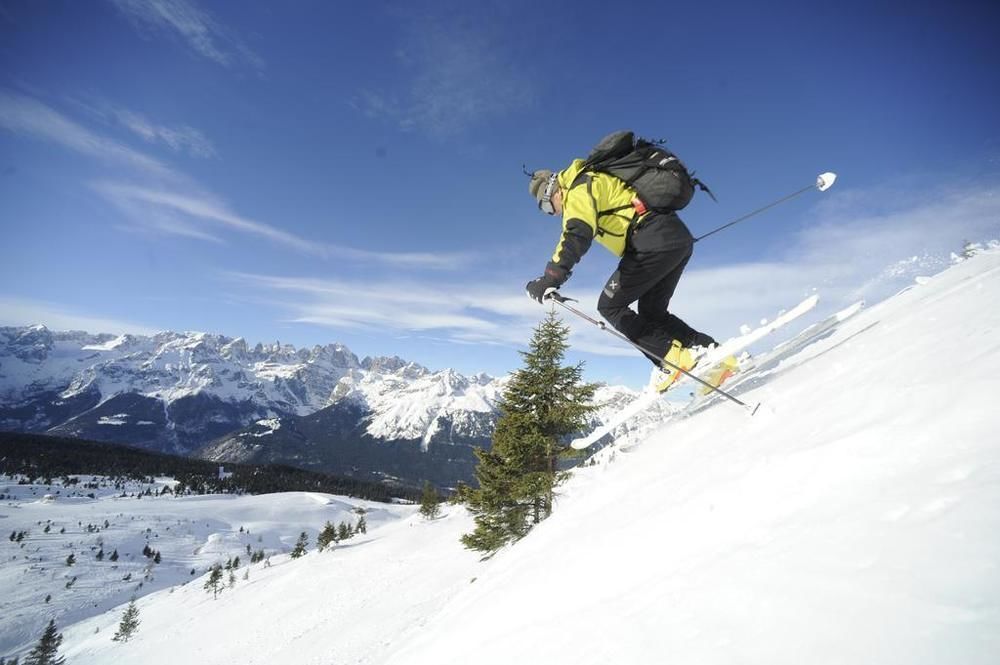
(313, 172)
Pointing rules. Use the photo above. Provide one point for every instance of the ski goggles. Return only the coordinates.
(545, 203)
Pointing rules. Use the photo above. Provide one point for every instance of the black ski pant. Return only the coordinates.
(650, 278)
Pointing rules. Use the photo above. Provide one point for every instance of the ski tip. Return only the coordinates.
(825, 181)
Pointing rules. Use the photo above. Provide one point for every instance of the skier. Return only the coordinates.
(654, 247)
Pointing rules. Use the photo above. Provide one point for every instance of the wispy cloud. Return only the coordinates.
(195, 214)
(194, 26)
(864, 245)
(27, 116)
(483, 313)
(848, 255)
(196, 207)
(457, 76)
(179, 138)
(56, 316)
(173, 203)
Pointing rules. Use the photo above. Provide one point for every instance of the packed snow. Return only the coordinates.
(855, 519)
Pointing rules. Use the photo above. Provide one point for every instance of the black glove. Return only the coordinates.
(539, 289)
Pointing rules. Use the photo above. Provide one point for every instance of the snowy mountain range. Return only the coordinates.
(217, 397)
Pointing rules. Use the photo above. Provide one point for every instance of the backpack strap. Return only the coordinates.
(587, 176)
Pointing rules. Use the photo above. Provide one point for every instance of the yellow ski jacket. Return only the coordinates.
(599, 206)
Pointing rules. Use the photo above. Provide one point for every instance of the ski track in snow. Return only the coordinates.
(855, 519)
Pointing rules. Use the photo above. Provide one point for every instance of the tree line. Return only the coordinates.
(36, 456)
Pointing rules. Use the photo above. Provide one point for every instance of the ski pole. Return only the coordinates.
(562, 300)
(823, 182)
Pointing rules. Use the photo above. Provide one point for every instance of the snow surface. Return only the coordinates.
(192, 532)
(855, 519)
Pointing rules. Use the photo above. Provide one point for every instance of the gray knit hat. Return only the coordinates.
(537, 184)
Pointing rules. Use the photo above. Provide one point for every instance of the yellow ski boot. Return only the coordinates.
(677, 357)
(716, 376)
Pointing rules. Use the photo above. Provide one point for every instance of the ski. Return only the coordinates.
(762, 363)
(711, 359)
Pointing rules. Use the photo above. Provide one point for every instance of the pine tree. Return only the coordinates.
(300, 546)
(326, 537)
(362, 525)
(129, 623)
(214, 582)
(543, 403)
(45, 651)
(430, 501)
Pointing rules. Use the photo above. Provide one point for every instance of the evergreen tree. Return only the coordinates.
(45, 651)
(326, 537)
(114, 555)
(430, 501)
(543, 403)
(300, 546)
(342, 532)
(362, 525)
(129, 623)
(214, 582)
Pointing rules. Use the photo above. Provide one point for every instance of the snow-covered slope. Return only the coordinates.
(855, 519)
(95, 520)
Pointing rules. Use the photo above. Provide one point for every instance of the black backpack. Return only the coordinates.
(661, 180)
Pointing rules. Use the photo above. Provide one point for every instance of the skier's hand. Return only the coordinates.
(541, 288)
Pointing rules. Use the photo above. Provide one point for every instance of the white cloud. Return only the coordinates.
(181, 138)
(847, 255)
(187, 213)
(22, 312)
(457, 77)
(863, 245)
(185, 20)
(27, 116)
(198, 207)
(178, 138)
(477, 313)
(171, 203)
